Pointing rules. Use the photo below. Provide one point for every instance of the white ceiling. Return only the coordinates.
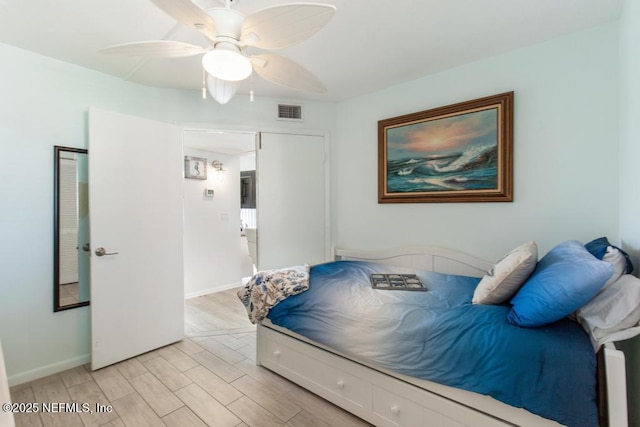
(368, 45)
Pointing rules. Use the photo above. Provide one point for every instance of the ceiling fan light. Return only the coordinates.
(227, 65)
(221, 90)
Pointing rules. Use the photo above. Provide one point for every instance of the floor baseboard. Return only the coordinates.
(44, 371)
(212, 290)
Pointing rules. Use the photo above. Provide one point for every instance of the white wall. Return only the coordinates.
(212, 243)
(630, 175)
(565, 152)
(248, 161)
(44, 103)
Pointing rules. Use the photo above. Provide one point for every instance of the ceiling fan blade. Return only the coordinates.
(156, 49)
(282, 26)
(283, 71)
(189, 14)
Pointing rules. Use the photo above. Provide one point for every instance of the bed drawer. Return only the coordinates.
(379, 398)
(328, 381)
(392, 410)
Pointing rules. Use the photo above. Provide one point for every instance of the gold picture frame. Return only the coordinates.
(457, 153)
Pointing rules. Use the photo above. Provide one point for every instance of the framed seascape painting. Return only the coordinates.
(457, 153)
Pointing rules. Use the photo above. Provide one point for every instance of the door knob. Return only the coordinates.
(102, 252)
(86, 247)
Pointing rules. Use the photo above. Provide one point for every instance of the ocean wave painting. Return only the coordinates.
(454, 153)
(447, 154)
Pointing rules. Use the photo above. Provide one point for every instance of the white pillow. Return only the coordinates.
(507, 275)
(619, 262)
(612, 311)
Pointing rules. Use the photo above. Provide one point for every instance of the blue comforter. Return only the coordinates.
(438, 335)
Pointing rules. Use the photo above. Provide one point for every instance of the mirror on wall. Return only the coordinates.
(71, 244)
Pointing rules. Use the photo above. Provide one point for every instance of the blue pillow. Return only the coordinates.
(598, 248)
(565, 279)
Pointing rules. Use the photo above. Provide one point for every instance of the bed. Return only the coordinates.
(386, 397)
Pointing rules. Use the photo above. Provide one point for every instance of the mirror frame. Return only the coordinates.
(56, 228)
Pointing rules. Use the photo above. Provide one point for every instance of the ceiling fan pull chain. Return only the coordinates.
(251, 89)
(204, 84)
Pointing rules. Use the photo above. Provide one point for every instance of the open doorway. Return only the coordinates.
(216, 251)
(292, 200)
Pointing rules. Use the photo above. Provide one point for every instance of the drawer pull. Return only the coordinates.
(395, 410)
(340, 384)
(276, 353)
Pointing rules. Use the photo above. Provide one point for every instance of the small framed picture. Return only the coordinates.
(195, 167)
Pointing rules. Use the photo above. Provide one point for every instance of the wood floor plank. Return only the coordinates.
(188, 346)
(274, 381)
(25, 419)
(51, 390)
(218, 366)
(222, 351)
(156, 394)
(305, 419)
(75, 376)
(212, 412)
(230, 341)
(178, 358)
(112, 383)
(131, 368)
(134, 411)
(183, 417)
(148, 355)
(115, 423)
(248, 338)
(277, 404)
(167, 373)
(218, 388)
(249, 351)
(245, 328)
(89, 392)
(253, 414)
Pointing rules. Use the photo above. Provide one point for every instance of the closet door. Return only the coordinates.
(135, 203)
(292, 202)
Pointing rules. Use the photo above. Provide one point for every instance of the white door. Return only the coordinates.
(291, 201)
(135, 203)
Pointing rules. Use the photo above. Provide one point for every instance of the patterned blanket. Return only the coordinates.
(267, 288)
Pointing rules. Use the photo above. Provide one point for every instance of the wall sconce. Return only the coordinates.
(220, 172)
(217, 165)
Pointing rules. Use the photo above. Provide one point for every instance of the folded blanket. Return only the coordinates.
(267, 288)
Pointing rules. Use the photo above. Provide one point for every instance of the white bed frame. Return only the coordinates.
(385, 398)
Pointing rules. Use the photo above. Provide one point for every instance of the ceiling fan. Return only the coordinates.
(227, 61)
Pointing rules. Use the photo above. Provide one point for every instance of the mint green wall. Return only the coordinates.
(565, 152)
(630, 175)
(44, 103)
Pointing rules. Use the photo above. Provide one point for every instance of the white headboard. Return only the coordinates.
(431, 258)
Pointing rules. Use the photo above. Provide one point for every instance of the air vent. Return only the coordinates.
(290, 112)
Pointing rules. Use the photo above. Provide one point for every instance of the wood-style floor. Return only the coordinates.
(208, 379)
